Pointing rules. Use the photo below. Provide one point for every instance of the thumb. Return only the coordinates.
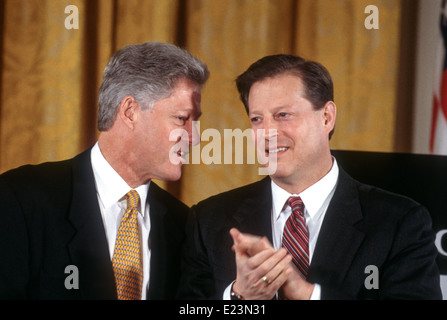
(239, 250)
(235, 234)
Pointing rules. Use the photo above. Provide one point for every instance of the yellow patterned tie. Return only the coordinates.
(127, 264)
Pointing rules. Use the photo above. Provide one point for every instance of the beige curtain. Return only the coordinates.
(50, 75)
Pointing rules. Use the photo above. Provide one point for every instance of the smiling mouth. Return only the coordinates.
(276, 150)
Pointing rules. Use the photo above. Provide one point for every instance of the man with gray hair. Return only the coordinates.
(97, 226)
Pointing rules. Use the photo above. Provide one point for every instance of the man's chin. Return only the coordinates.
(171, 176)
(279, 173)
(175, 176)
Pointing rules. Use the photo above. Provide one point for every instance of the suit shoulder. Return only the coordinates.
(389, 206)
(235, 196)
(167, 198)
(36, 188)
(41, 175)
(375, 194)
(369, 195)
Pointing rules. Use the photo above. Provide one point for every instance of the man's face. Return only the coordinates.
(278, 106)
(160, 146)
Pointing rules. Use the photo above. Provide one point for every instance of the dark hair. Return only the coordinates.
(318, 86)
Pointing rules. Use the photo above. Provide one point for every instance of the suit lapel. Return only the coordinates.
(339, 239)
(254, 213)
(88, 247)
(157, 242)
(166, 237)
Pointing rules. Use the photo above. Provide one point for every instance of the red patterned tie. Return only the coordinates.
(127, 265)
(296, 235)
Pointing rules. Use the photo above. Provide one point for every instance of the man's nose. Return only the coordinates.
(194, 136)
(269, 129)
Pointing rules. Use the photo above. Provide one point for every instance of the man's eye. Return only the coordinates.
(254, 119)
(282, 115)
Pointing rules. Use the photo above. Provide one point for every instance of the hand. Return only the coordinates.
(261, 270)
(251, 244)
(294, 288)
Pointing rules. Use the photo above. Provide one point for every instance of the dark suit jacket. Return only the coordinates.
(50, 219)
(363, 226)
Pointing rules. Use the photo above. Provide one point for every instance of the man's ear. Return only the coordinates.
(329, 114)
(128, 111)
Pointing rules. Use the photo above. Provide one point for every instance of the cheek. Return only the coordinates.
(313, 127)
(154, 132)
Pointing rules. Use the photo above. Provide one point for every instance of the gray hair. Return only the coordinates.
(148, 72)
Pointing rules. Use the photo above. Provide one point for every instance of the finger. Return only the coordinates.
(238, 247)
(240, 255)
(265, 289)
(235, 234)
(251, 271)
(272, 266)
(251, 243)
(242, 241)
(256, 245)
(277, 270)
(281, 279)
(260, 262)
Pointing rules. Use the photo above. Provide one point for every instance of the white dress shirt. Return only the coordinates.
(316, 199)
(111, 190)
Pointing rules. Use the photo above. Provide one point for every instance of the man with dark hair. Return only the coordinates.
(97, 226)
(308, 230)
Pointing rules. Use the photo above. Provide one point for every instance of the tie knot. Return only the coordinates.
(132, 199)
(296, 204)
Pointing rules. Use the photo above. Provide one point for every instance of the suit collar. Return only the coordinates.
(110, 186)
(88, 248)
(156, 239)
(155, 200)
(164, 241)
(339, 238)
(255, 209)
(315, 198)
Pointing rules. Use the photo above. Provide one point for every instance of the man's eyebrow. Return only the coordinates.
(275, 109)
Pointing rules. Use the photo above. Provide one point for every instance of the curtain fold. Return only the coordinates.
(50, 75)
(363, 63)
(41, 84)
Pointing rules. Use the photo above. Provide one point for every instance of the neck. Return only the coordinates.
(116, 152)
(305, 177)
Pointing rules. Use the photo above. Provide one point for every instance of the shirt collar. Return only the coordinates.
(313, 197)
(110, 186)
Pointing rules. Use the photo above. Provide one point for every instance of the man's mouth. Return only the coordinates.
(182, 155)
(275, 150)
